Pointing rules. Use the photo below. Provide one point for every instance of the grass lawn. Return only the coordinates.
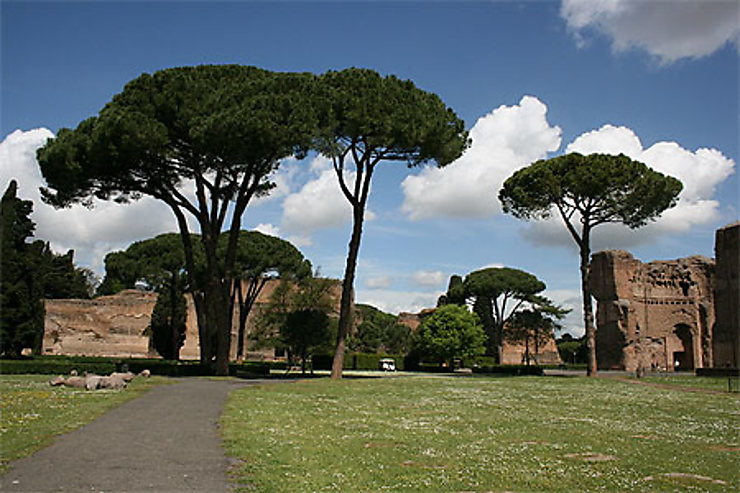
(32, 412)
(691, 382)
(441, 433)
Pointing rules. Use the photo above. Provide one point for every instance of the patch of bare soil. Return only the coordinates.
(645, 437)
(723, 448)
(683, 475)
(592, 457)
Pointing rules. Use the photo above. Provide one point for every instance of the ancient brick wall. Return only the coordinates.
(116, 325)
(106, 326)
(726, 343)
(545, 353)
(656, 315)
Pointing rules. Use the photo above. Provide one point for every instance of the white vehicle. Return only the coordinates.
(388, 364)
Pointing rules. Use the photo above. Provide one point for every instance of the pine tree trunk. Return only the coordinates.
(588, 316)
(345, 312)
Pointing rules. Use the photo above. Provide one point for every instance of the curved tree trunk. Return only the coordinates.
(345, 311)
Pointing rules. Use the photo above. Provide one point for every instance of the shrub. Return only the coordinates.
(57, 365)
(511, 370)
(54, 367)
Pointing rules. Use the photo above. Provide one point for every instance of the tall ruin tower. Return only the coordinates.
(657, 315)
(726, 343)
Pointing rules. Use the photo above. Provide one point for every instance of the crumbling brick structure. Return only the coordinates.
(726, 342)
(116, 325)
(657, 315)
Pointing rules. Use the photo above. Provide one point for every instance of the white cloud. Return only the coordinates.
(570, 299)
(503, 141)
(319, 204)
(268, 229)
(90, 232)
(272, 230)
(493, 265)
(381, 282)
(428, 278)
(669, 30)
(700, 172)
(396, 302)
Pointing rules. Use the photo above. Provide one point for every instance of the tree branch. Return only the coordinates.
(566, 219)
(338, 162)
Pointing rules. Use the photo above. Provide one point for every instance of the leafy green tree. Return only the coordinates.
(222, 129)
(260, 257)
(451, 332)
(572, 350)
(305, 294)
(152, 260)
(168, 323)
(304, 331)
(379, 332)
(535, 326)
(587, 191)
(455, 294)
(21, 305)
(497, 293)
(371, 119)
(30, 273)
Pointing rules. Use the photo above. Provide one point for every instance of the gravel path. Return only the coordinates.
(165, 441)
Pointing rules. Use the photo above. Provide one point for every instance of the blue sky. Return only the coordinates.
(656, 80)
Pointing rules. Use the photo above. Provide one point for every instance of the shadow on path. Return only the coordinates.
(165, 441)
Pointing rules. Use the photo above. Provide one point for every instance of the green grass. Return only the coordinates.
(692, 382)
(32, 412)
(446, 433)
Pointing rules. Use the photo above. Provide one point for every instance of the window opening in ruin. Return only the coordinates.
(685, 287)
(683, 360)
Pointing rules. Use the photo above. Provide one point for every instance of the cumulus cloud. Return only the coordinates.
(428, 278)
(319, 204)
(503, 141)
(268, 229)
(381, 282)
(700, 171)
(569, 299)
(90, 232)
(667, 30)
(396, 302)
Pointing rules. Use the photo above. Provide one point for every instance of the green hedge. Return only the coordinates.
(357, 361)
(512, 370)
(104, 366)
(54, 367)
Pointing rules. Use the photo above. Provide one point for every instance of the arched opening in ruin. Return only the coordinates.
(683, 360)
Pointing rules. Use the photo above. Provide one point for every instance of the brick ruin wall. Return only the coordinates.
(116, 326)
(657, 315)
(726, 342)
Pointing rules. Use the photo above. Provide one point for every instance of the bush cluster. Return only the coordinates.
(511, 370)
(56, 365)
(358, 361)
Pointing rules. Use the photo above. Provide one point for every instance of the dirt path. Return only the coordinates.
(164, 441)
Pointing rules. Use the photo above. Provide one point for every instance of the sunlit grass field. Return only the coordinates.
(719, 384)
(32, 412)
(482, 434)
